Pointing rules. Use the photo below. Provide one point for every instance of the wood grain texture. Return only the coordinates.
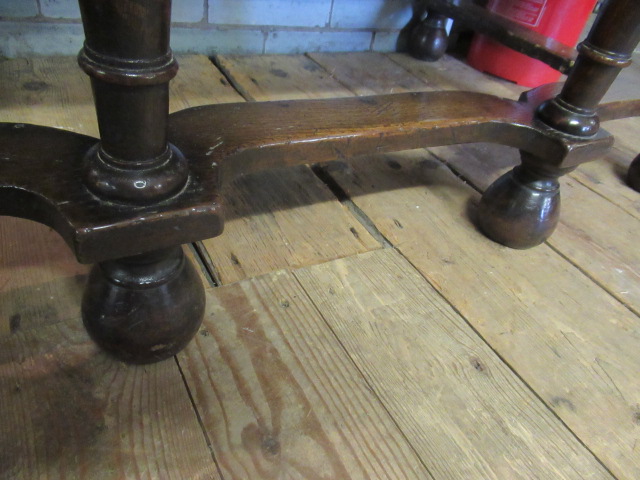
(465, 412)
(49, 91)
(283, 218)
(267, 227)
(607, 177)
(36, 288)
(449, 73)
(585, 233)
(347, 69)
(198, 82)
(594, 233)
(279, 77)
(568, 339)
(243, 138)
(69, 411)
(278, 395)
(62, 92)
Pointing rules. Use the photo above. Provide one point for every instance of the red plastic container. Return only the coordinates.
(562, 20)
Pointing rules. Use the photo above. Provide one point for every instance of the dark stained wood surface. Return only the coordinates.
(244, 138)
(607, 49)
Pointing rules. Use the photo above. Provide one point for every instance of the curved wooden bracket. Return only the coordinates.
(41, 179)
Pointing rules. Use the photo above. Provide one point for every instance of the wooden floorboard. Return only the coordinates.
(278, 395)
(69, 411)
(571, 341)
(467, 415)
(375, 334)
(279, 77)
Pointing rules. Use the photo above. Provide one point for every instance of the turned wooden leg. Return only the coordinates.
(521, 209)
(429, 38)
(146, 307)
(607, 50)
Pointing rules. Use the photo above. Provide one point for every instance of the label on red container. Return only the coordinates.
(526, 12)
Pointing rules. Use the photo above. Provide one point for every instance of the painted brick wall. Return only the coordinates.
(48, 27)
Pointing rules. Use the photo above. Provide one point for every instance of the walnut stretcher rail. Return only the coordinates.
(153, 181)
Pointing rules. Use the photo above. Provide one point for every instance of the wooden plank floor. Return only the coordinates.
(361, 326)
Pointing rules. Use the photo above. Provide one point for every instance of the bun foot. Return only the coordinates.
(429, 38)
(145, 308)
(521, 208)
(633, 174)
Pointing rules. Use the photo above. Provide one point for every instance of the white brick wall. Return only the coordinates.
(284, 13)
(15, 8)
(58, 8)
(29, 27)
(374, 14)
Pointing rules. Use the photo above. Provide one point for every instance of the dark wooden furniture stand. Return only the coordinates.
(152, 181)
